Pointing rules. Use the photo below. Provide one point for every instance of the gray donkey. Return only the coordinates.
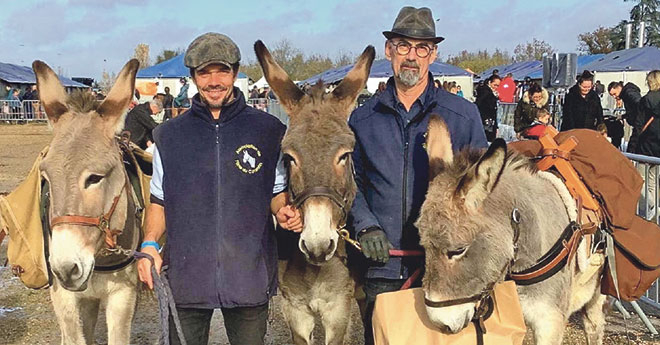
(317, 147)
(90, 203)
(466, 228)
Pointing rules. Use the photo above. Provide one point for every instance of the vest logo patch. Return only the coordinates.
(248, 159)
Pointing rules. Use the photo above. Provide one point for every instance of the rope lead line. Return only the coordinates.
(165, 303)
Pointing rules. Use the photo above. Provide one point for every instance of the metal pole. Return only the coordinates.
(640, 42)
(644, 318)
(629, 28)
(621, 309)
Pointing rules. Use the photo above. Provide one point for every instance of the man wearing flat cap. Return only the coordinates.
(217, 178)
(391, 164)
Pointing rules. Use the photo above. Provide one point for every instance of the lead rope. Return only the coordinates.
(166, 304)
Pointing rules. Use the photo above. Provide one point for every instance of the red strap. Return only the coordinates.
(411, 279)
(404, 252)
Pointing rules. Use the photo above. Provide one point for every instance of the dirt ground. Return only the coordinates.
(26, 316)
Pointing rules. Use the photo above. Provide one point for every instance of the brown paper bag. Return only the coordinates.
(400, 318)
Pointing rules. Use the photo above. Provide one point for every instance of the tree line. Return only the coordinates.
(602, 40)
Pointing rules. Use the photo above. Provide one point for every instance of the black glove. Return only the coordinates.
(375, 245)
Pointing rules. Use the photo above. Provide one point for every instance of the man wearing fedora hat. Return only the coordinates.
(391, 164)
(217, 178)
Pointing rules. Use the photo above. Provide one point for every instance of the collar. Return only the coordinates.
(227, 112)
(389, 98)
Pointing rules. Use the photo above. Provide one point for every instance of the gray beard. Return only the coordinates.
(408, 77)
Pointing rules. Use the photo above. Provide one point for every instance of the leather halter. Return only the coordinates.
(102, 222)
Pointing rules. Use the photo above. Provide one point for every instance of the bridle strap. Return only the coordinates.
(449, 303)
(321, 191)
(102, 222)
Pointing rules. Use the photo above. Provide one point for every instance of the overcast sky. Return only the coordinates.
(85, 37)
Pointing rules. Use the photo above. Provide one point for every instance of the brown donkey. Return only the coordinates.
(317, 147)
(87, 180)
(467, 227)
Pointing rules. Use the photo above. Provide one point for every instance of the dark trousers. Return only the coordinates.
(244, 325)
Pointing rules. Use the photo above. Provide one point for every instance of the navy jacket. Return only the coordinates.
(218, 180)
(391, 165)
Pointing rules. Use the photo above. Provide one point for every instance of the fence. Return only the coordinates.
(21, 111)
(649, 167)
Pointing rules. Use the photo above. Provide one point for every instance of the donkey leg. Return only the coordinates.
(300, 320)
(120, 309)
(76, 317)
(593, 319)
(335, 317)
(548, 326)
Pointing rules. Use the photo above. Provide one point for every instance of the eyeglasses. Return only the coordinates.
(403, 48)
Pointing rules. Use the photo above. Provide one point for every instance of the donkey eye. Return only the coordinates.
(343, 158)
(93, 179)
(456, 253)
(289, 160)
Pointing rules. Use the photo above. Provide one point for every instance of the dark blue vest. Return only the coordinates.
(218, 180)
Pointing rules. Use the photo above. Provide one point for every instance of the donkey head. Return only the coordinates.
(467, 246)
(317, 148)
(84, 169)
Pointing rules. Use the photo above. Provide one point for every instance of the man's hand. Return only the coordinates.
(375, 245)
(288, 217)
(144, 266)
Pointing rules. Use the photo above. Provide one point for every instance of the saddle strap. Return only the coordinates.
(556, 258)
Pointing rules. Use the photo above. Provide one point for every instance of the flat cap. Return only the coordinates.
(211, 48)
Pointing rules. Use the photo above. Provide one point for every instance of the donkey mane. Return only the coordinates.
(467, 157)
(82, 102)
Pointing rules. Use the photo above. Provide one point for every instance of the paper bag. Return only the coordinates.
(400, 318)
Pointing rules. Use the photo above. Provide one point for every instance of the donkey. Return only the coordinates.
(467, 230)
(317, 148)
(86, 175)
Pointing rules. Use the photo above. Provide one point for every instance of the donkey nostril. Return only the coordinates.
(331, 246)
(75, 271)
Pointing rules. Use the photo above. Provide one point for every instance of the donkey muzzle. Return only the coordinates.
(451, 319)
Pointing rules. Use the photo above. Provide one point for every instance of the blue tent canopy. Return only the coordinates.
(383, 69)
(172, 68)
(636, 59)
(16, 74)
(534, 69)
(520, 70)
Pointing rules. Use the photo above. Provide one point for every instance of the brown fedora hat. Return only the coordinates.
(414, 23)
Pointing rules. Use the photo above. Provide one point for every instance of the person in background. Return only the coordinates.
(181, 101)
(507, 90)
(647, 120)
(630, 95)
(381, 87)
(535, 98)
(487, 103)
(459, 92)
(140, 124)
(168, 102)
(582, 107)
(437, 84)
(599, 88)
(254, 93)
(537, 128)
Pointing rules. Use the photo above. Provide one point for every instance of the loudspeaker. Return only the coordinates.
(560, 70)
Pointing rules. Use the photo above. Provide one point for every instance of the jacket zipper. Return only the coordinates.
(404, 196)
(217, 176)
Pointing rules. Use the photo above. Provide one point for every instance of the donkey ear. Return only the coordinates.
(482, 177)
(287, 92)
(119, 97)
(349, 88)
(438, 145)
(51, 92)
